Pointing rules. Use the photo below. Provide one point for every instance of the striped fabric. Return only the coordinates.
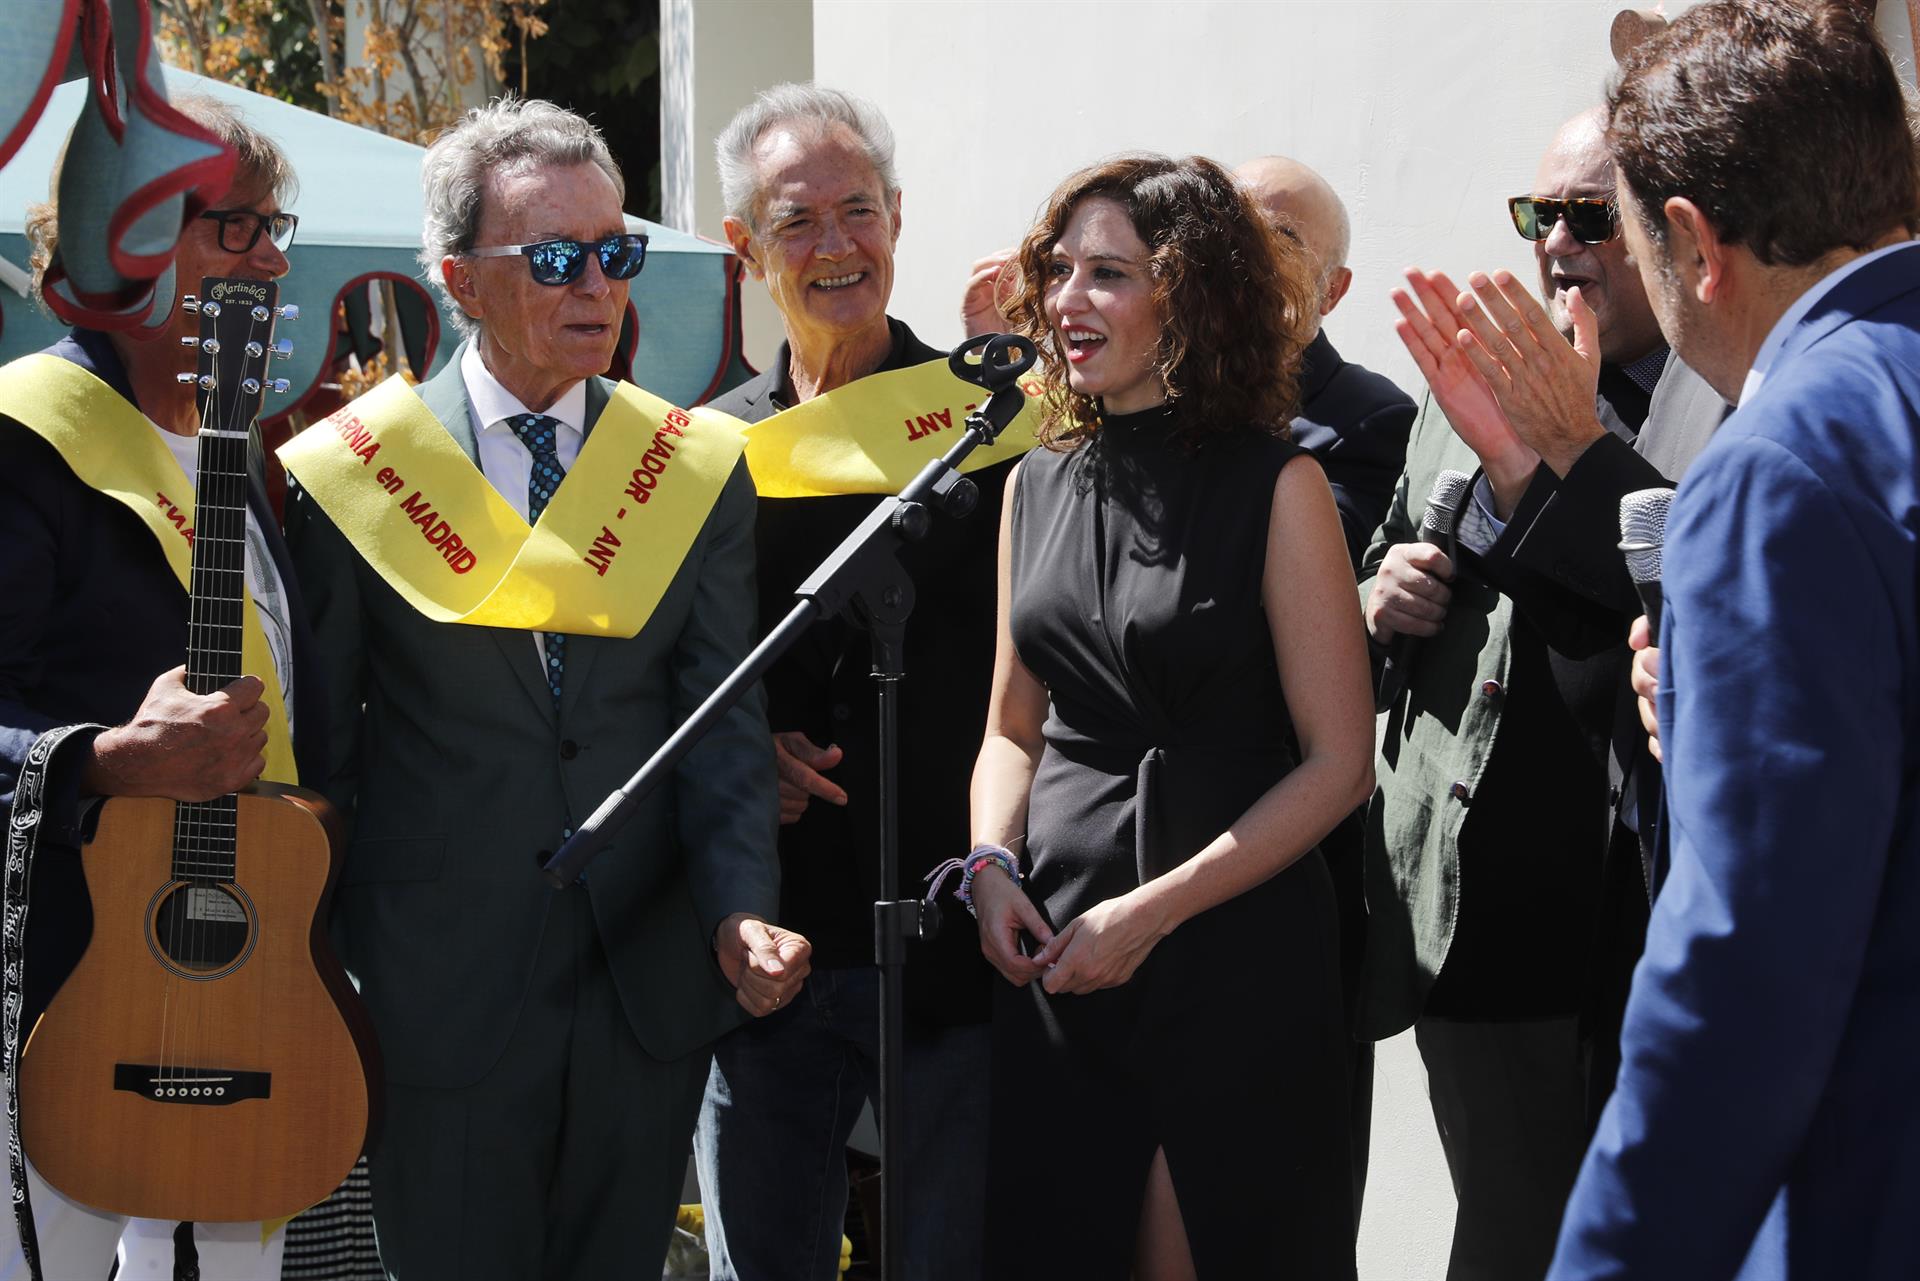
(334, 1240)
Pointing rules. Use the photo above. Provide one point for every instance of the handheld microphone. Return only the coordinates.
(1643, 533)
(1443, 508)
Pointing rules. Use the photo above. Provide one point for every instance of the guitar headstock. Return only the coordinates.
(236, 343)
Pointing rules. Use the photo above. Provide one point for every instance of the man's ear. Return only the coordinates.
(458, 278)
(1696, 249)
(896, 218)
(740, 236)
(1337, 286)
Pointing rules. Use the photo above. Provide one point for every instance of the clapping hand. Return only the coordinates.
(1432, 329)
(1545, 385)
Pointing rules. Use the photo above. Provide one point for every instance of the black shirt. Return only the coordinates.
(829, 860)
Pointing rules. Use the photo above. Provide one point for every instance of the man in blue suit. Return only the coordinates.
(1767, 1118)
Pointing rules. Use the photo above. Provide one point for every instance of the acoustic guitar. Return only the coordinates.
(208, 1058)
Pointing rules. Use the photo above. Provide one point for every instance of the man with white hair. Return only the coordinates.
(544, 1052)
(813, 210)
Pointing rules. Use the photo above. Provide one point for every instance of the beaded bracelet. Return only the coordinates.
(986, 856)
(980, 856)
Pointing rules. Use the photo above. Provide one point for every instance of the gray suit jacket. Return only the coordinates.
(448, 756)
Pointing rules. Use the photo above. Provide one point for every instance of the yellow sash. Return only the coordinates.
(597, 561)
(112, 448)
(874, 435)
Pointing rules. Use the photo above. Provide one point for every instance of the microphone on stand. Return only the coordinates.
(1643, 533)
(1443, 507)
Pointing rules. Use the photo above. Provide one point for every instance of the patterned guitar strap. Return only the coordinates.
(23, 834)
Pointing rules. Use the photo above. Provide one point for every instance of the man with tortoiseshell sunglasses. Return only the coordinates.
(1505, 893)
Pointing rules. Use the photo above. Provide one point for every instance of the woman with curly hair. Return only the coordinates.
(1180, 711)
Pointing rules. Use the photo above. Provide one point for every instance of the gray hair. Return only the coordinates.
(507, 134)
(803, 104)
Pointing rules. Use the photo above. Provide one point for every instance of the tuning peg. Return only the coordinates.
(250, 386)
(189, 304)
(290, 311)
(186, 378)
(210, 308)
(283, 349)
(211, 345)
(260, 314)
(189, 341)
(279, 385)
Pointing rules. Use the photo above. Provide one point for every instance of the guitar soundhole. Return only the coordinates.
(203, 930)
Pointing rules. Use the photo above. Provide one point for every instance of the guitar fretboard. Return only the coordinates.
(204, 832)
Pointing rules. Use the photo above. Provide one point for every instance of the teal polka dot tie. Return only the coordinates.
(540, 434)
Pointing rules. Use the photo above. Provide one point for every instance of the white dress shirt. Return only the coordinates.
(504, 461)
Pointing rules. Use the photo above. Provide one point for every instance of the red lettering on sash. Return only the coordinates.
(920, 426)
(453, 549)
(358, 437)
(653, 463)
(600, 556)
(175, 517)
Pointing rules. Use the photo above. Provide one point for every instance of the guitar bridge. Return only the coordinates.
(206, 1086)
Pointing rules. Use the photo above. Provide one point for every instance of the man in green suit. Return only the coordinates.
(544, 1052)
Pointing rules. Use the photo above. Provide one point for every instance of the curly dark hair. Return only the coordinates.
(1236, 301)
(1784, 122)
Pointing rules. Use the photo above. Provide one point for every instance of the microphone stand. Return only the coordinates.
(864, 583)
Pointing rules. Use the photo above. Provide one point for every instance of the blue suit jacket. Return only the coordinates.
(1767, 1119)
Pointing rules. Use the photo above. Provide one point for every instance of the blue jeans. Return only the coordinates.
(782, 1096)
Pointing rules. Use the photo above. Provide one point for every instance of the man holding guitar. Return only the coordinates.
(94, 630)
(524, 577)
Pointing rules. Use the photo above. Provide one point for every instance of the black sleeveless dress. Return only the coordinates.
(1136, 571)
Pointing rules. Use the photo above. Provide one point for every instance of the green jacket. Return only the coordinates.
(1433, 751)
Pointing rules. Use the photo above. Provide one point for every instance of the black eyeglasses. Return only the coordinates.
(1592, 222)
(240, 228)
(560, 262)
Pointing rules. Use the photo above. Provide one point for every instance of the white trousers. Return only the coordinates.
(78, 1243)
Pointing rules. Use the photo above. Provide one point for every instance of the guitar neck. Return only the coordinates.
(236, 333)
(216, 612)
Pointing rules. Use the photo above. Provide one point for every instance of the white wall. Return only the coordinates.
(714, 56)
(1424, 114)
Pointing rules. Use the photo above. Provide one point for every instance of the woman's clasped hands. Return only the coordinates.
(1099, 949)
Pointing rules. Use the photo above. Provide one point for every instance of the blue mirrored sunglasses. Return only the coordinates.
(560, 262)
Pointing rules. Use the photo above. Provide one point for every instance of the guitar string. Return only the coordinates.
(230, 603)
(210, 829)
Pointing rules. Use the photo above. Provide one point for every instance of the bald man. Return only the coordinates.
(1355, 421)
